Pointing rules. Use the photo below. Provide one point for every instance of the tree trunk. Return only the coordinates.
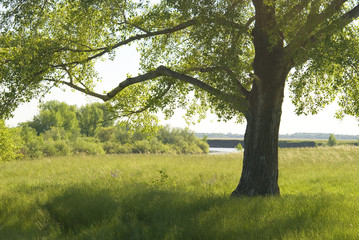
(260, 163)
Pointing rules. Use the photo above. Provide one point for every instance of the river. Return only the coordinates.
(215, 150)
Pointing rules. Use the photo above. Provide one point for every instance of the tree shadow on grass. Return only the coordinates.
(79, 207)
(147, 212)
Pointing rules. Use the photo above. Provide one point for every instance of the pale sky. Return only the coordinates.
(112, 72)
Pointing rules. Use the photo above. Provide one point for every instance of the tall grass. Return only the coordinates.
(179, 197)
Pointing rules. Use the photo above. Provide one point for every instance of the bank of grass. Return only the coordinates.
(179, 197)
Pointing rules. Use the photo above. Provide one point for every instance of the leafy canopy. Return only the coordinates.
(203, 49)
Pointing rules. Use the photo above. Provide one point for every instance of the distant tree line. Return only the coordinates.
(60, 129)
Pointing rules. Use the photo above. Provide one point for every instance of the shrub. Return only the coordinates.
(10, 143)
(332, 141)
(182, 140)
(110, 147)
(193, 149)
(81, 146)
(240, 148)
(203, 146)
(33, 148)
(105, 134)
(124, 148)
(142, 146)
(158, 147)
(55, 133)
(63, 148)
(121, 134)
(50, 149)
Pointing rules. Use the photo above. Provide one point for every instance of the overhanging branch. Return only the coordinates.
(238, 102)
(230, 73)
(150, 102)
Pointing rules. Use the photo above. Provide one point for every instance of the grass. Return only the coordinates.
(339, 142)
(179, 197)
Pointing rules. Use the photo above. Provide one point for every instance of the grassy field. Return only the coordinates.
(179, 197)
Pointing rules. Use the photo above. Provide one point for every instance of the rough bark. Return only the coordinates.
(260, 163)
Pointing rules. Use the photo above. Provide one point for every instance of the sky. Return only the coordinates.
(127, 61)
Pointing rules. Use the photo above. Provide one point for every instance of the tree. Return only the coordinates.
(233, 57)
(92, 116)
(332, 141)
(55, 114)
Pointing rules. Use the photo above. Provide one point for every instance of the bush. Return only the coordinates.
(110, 140)
(63, 148)
(110, 147)
(124, 148)
(158, 147)
(10, 143)
(182, 140)
(121, 134)
(50, 149)
(203, 146)
(55, 133)
(33, 148)
(81, 146)
(142, 146)
(56, 148)
(332, 141)
(105, 134)
(240, 148)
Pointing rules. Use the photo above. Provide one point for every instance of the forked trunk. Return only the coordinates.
(260, 162)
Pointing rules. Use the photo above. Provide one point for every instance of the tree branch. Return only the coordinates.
(295, 10)
(107, 49)
(315, 20)
(231, 74)
(78, 88)
(225, 22)
(239, 102)
(334, 26)
(337, 24)
(150, 102)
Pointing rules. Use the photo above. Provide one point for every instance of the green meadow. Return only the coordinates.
(179, 197)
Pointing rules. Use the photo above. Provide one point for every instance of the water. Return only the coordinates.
(214, 150)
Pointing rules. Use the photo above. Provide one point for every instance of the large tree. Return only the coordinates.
(231, 56)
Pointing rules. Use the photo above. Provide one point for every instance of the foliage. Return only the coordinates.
(55, 133)
(212, 41)
(55, 114)
(10, 143)
(33, 144)
(178, 197)
(87, 146)
(114, 139)
(92, 116)
(239, 147)
(56, 148)
(105, 134)
(332, 141)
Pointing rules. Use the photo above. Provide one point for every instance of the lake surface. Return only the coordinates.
(222, 150)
